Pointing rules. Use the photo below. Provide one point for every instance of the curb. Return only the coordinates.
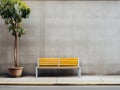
(61, 83)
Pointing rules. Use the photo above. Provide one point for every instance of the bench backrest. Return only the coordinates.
(48, 62)
(69, 62)
(58, 62)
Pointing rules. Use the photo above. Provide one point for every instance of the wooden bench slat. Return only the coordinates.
(48, 66)
(48, 62)
(69, 64)
(58, 67)
(49, 59)
(69, 58)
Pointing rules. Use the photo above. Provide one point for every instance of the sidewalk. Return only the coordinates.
(67, 80)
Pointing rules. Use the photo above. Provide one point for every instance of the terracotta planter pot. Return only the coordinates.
(15, 71)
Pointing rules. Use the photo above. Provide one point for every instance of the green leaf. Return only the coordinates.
(13, 12)
(13, 33)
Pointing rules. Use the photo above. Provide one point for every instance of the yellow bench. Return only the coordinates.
(58, 63)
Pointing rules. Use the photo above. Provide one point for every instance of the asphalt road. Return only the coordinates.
(59, 87)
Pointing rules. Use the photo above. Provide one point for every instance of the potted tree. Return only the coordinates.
(13, 12)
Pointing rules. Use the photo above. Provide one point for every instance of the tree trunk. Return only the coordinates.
(16, 62)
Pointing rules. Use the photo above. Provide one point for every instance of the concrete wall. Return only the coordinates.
(86, 29)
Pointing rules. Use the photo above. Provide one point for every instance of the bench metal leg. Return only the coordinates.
(79, 71)
(36, 72)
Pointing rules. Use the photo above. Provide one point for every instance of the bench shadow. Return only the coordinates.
(57, 73)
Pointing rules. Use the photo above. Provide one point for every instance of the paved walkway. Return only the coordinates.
(67, 80)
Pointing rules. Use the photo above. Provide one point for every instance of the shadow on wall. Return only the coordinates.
(6, 48)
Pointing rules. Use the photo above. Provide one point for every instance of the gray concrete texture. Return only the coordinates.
(89, 30)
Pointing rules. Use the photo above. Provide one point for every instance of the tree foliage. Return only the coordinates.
(13, 12)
